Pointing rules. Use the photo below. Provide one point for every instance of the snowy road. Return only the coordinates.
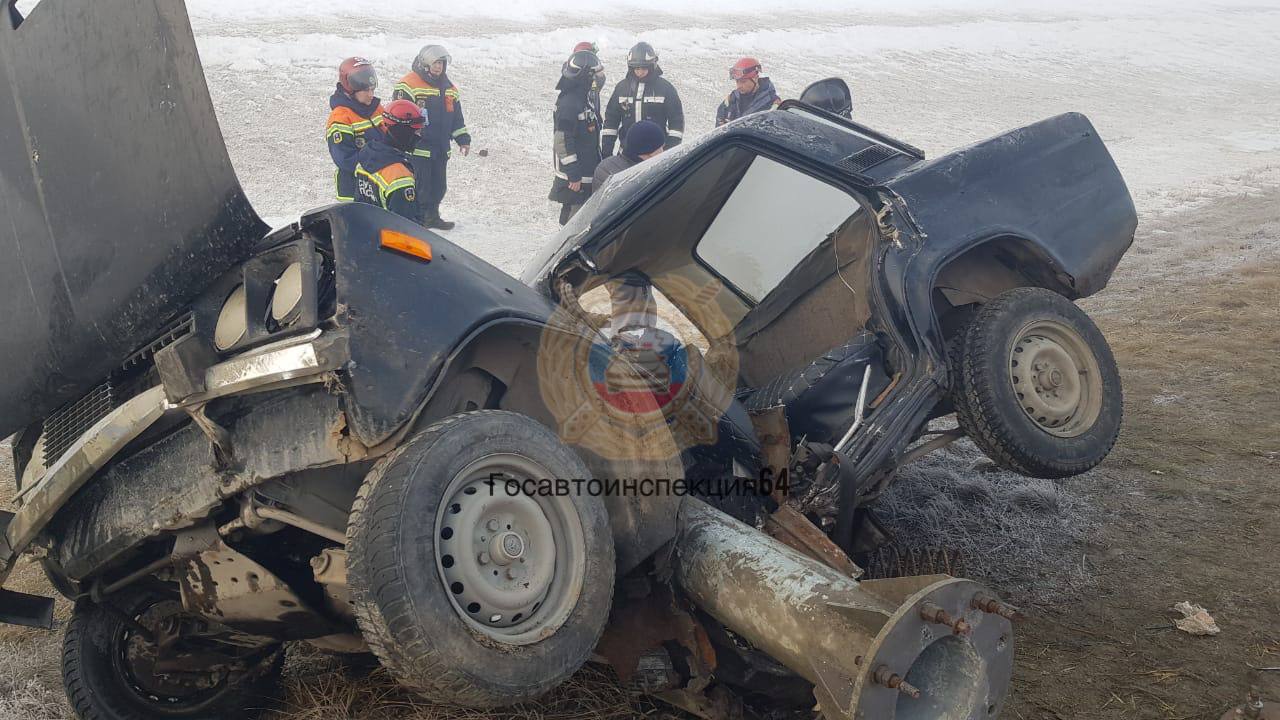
(1186, 94)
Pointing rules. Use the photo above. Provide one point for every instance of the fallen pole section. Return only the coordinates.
(914, 648)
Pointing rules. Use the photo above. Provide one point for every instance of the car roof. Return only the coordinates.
(796, 131)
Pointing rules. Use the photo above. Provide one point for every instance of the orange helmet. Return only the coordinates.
(404, 113)
(356, 74)
(588, 46)
(747, 67)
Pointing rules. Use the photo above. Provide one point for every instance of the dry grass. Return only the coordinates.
(325, 687)
(1215, 396)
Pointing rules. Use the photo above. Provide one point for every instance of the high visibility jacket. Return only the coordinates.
(737, 105)
(384, 178)
(633, 100)
(442, 104)
(344, 134)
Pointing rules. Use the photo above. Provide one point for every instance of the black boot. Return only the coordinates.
(435, 222)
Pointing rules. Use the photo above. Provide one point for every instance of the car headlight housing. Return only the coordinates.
(233, 322)
(286, 300)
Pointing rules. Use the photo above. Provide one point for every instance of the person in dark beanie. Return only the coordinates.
(576, 144)
(645, 140)
(630, 294)
(642, 95)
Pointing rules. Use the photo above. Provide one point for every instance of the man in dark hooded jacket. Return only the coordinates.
(645, 140)
(753, 93)
(577, 131)
(428, 86)
(642, 95)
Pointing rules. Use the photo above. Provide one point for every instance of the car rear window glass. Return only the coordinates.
(775, 216)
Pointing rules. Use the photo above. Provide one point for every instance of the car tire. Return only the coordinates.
(105, 679)
(1039, 391)
(444, 565)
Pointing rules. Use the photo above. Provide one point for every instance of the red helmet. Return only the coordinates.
(747, 67)
(404, 113)
(356, 74)
(588, 46)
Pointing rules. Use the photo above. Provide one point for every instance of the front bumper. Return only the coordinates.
(300, 360)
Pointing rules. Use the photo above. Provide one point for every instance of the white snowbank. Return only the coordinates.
(770, 11)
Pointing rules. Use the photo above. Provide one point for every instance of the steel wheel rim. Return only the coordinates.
(1056, 378)
(512, 563)
(135, 658)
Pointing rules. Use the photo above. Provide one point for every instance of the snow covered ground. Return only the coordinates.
(1183, 92)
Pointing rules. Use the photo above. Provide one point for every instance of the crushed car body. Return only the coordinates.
(352, 432)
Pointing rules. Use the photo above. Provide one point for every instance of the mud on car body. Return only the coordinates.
(228, 438)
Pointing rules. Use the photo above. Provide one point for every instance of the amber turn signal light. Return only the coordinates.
(407, 244)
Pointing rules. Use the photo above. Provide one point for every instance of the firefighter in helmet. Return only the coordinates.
(577, 131)
(354, 111)
(384, 174)
(752, 94)
(644, 94)
(428, 86)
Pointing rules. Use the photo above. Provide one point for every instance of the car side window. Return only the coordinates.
(775, 217)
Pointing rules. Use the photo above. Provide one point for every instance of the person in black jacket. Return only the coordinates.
(642, 95)
(577, 131)
(643, 142)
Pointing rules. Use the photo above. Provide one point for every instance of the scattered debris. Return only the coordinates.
(1195, 620)
(1254, 709)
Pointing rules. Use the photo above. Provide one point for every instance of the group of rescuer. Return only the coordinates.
(396, 155)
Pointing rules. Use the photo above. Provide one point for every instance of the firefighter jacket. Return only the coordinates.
(576, 150)
(348, 122)
(737, 105)
(633, 100)
(441, 103)
(384, 178)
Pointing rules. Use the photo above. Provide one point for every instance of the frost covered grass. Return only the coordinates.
(325, 687)
(1023, 535)
(30, 682)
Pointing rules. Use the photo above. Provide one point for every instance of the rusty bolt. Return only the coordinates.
(884, 676)
(992, 606)
(934, 614)
(907, 688)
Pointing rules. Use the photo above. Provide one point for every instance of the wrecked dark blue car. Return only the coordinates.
(659, 448)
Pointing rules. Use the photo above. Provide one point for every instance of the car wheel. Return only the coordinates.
(1041, 392)
(111, 670)
(469, 589)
